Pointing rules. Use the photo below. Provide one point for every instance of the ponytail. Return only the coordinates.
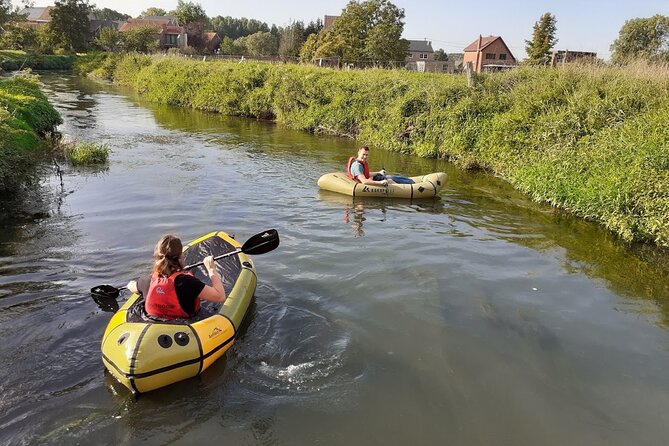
(167, 256)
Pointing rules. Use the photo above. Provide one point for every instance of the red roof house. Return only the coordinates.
(489, 54)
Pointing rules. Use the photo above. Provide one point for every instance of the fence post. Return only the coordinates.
(471, 76)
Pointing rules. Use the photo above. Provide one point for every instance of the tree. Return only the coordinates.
(259, 44)
(642, 38)
(19, 38)
(153, 12)
(5, 11)
(440, 55)
(109, 14)
(370, 31)
(109, 39)
(313, 28)
(189, 12)
(141, 39)
(543, 40)
(291, 39)
(69, 24)
(236, 28)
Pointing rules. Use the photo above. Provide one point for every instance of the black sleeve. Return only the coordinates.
(188, 288)
(143, 283)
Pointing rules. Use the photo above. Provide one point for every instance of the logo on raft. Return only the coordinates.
(215, 332)
(375, 189)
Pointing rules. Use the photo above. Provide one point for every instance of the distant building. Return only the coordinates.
(565, 56)
(36, 17)
(329, 20)
(97, 25)
(211, 42)
(489, 54)
(168, 33)
(419, 50)
(420, 57)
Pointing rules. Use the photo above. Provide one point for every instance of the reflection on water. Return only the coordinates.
(355, 208)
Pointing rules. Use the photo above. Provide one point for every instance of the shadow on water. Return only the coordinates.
(638, 272)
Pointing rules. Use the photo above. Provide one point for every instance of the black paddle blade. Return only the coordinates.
(105, 292)
(261, 243)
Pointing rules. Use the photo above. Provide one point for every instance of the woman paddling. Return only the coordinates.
(172, 293)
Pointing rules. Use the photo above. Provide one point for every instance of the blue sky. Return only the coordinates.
(585, 25)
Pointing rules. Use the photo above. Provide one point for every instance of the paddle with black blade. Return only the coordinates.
(260, 243)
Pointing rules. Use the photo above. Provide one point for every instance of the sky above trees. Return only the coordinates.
(582, 25)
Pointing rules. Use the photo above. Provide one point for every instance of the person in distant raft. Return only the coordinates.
(357, 169)
(170, 292)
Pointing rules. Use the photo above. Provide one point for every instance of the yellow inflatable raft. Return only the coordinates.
(425, 186)
(145, 354)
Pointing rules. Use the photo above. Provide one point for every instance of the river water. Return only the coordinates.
(475, 318)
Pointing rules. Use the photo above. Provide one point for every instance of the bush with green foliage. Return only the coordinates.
(11, 60)
(25, 116)
(592, 140)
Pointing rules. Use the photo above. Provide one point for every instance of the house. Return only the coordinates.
(419, 50)
(168, 33)
(328, 21)
(489, 54)
(211, 42)
(36, 17)
(565, 56)
(420, 57)
(96, 26)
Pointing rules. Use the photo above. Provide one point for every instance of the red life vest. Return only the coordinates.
(364, 166)
(162, 300)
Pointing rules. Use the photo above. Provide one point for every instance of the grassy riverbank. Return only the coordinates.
(11, 60)
(593, 141)
(25, 117)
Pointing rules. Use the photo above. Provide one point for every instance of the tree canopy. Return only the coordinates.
(153, 12)
(369, 31)
(642, 38)
(5, 11)
(140, 38)
(543, 40)
(259, 44)
(69, 24)
(109, 14)
(236, 27)
(189, 12)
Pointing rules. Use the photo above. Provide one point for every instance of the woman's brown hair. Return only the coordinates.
(167, 256)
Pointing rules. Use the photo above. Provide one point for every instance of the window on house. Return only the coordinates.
(171, 39)
(489, 56)
(502, 56)
(423, 55)
(410, 55)
(444, 67)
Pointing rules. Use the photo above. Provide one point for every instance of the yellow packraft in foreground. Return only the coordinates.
(145, 354)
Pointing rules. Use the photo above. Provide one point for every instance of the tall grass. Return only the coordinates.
(592, 140)
(85, 153)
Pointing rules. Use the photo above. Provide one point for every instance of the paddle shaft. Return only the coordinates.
(228, 254)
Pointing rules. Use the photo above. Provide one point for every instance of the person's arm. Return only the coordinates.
(371, 182)
(215, 292)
